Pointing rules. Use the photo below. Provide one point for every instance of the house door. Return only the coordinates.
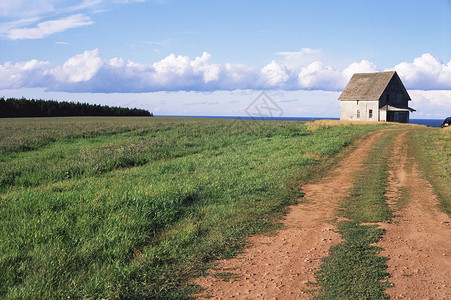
(390, 116)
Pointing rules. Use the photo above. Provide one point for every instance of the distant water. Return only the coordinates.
(427, 122)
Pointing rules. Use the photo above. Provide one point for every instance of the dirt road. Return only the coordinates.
(418, 240)
(281, 266)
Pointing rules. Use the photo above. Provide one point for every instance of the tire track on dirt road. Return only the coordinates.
(418, 240)
(282, 266)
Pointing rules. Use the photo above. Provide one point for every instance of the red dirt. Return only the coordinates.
(281, 266)
(418, 241)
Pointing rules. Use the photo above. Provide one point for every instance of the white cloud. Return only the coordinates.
(239, 76)
(25, 19)
(81, 67)
(202, 65)
(172, 69)
(23, 74)
(25, 8)
(297, 59)
(425, 72)
(363, 66)
(440, 98)
(320, 77)
(18, 9)
(6, 27)
(47, 28)
(434, 104)
(85, 4)
(89, 72)
(274, 74)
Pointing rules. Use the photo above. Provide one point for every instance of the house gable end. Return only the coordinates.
(395, 93)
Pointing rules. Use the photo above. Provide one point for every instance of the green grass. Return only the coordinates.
(367, 201)
(433, 150)
(137, 207)
(24, 134)
(354, 270)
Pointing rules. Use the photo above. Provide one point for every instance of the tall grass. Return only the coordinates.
(24, 134)
(135, 208)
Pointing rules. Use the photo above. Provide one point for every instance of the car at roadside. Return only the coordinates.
(446, 122)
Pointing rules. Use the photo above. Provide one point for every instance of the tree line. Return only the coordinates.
(13, 107)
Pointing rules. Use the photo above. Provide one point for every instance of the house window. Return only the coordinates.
(358, 113)
(371, 113)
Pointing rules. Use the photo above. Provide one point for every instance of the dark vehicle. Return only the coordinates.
(446, 123)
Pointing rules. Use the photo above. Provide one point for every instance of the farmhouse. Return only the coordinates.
(379, 96)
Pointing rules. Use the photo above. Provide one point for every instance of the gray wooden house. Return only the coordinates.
(379, 96)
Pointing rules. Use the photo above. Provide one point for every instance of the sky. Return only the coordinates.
(199, 57)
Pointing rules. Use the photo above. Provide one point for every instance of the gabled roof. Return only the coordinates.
(368, 86)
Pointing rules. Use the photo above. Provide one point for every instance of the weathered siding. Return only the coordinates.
(383, 114)
(359, 110)
(394, 94)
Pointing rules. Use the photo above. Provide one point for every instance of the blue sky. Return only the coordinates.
(214, 57)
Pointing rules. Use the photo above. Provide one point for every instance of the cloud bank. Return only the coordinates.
(89, 72)
(426, 72)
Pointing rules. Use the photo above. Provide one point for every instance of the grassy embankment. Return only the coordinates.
(433, 150)
(135, 207)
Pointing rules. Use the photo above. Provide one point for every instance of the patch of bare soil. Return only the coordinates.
(283, 265)
(418, 241)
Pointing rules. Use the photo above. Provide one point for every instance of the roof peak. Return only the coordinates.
(368, 86)
(392, 72)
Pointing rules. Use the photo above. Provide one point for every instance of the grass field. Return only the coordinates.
(136, 207)
(433, 148)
